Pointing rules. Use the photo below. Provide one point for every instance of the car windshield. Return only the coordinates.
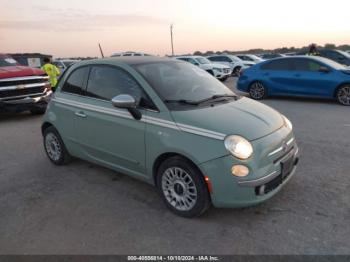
(7, 61)
(203, 60)
(180, 81)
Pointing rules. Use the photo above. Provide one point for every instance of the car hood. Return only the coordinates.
(220, 66)
(18, 71)
(244, 117)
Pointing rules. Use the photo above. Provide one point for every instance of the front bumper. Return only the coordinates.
(26, 103)
(263, 182)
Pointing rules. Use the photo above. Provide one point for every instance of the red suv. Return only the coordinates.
(22, 88)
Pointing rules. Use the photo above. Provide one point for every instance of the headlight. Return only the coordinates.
(239, 146)
(217, 69)
(287, 123)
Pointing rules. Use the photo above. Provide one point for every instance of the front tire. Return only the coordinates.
(343, 95)
(182, 187)
(54, 147)
(257, 91)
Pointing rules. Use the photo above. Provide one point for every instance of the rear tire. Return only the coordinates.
(257, 91)
(343, 95)
(182, 187)
(54, 147)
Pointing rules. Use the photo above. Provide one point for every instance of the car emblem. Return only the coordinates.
(20, 87)
(284, 146)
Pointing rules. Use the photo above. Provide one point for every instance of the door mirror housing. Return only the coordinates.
(124, 101)
(324, 69)
(129, 103)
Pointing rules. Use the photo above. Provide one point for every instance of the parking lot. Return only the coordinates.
(85, 209)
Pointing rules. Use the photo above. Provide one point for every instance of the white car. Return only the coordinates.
(129, 53)
(232, 61)
(63, 64)
(250, 58)
(221, 72)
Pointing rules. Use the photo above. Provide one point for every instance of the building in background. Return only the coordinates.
(30, 59)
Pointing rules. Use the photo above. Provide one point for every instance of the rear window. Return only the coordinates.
(75, 82)
(7, 61)
(278, 65)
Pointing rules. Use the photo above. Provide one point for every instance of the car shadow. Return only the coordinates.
(9, 117)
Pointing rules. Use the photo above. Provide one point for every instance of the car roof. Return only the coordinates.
(129, 60)
(317, 58)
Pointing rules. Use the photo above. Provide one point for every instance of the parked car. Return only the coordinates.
(63, 64)
(171, 124)
(129, 53)
(268, 56)
(221, 72)
(309, 76)
(336, 55)
(250, 58)
(22, 88)
(234, 62)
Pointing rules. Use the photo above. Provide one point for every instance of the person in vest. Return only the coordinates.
(313, 50)
(52, 71)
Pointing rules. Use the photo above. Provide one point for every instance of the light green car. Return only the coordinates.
(172, 125)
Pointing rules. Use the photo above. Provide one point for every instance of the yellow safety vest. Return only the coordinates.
(52, 71)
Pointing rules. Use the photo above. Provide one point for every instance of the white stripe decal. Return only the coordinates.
(146, 119)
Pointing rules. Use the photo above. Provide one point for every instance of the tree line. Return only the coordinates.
(281, 50)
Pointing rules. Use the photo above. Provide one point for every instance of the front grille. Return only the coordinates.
(21, 92)
(22, 86)
(23, 81)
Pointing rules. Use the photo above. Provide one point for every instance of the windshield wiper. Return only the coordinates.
(214, 97)
(182, 101)
(197, 102)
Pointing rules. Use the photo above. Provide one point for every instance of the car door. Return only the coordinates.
(277, 75)
(310, 78)
(106, 134)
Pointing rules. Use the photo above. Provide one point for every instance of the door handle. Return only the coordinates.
(80, 114)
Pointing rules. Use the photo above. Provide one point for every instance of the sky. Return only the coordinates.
(71, 28)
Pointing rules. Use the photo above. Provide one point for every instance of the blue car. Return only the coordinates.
(306, 76)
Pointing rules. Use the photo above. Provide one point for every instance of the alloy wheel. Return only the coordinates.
(179, 189)
(257, 91)
(344, 95)
(53, 146)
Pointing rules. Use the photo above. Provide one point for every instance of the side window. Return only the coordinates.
(192, 61)
(106, 82)
(183, 59)
(225, 59)
(278, 65)
(306, 65)
(75, 82)
(214, 58)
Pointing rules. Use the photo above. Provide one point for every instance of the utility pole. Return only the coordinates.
(99, 45)
(172, 43)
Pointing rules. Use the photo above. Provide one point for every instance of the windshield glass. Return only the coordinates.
(7, 61)
(176, 80)
(203, 60)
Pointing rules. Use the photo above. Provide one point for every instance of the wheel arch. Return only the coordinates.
(339, 86)
(164, 156)
(44, 126)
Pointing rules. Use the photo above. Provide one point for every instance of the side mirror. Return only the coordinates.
(196, 64)
(124, 101)
(127, 102)
(324, 69)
